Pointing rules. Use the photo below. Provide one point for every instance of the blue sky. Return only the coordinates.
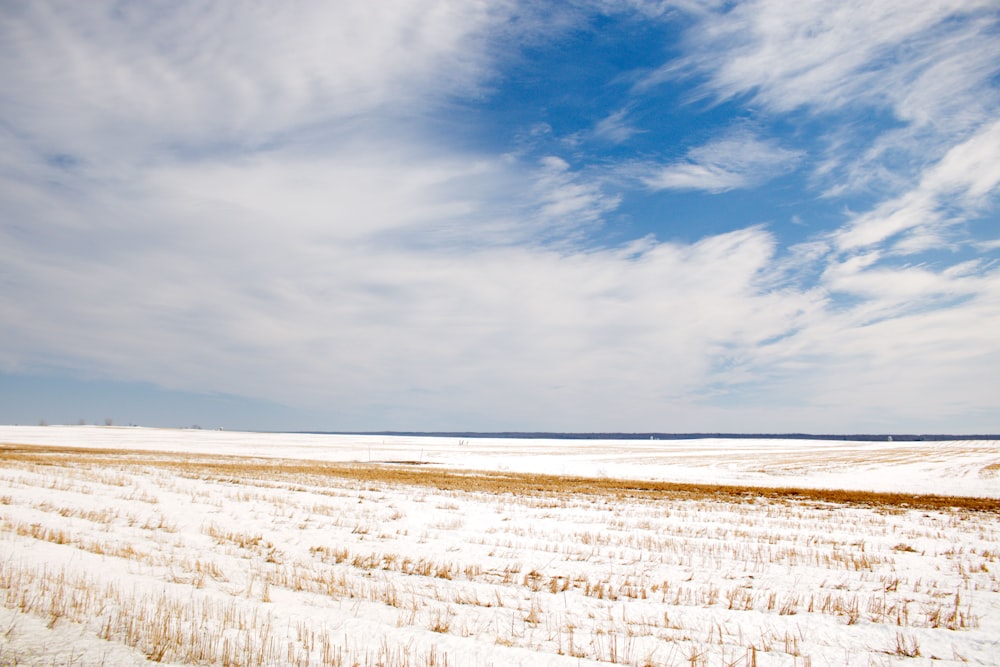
(459, 215)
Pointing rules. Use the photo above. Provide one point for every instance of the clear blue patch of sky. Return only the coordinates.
(570, 82)
(689, 216)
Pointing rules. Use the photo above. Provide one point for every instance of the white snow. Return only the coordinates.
(108, 561)
(961, 467)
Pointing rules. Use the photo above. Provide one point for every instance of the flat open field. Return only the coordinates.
(123, 546)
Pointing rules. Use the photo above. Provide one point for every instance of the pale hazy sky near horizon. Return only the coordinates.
(758, 216)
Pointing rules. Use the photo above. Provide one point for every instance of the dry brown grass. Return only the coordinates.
(237, 469)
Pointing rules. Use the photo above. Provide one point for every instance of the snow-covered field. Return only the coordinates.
(963, 468)
(206, 547)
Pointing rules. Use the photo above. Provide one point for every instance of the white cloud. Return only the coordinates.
(826, 54)
(920, 75)
(354, 268)
(564, 202)
(539, 335)
(908, 98)
(919, 366)
(615, 127)
(733, 162)
(104, 81)
(251, 203)
(951, 191)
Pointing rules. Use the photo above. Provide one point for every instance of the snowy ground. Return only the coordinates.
(964, 468)
(250, 558)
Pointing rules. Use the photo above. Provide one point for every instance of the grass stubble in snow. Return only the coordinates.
(117, 557)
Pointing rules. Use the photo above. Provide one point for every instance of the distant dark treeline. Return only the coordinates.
(541, 435)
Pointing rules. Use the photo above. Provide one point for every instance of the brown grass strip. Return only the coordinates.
(248, 468)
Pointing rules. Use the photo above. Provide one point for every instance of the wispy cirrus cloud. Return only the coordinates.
(615, 127)
(824, 55)
(927, 71)
(102, 80)
(960, 185)
(904, 102)
(737, 161)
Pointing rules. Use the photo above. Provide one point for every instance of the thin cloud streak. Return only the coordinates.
(733, 162)
(953, 190)
(824, 54)
(615, 128)
(930, 67)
